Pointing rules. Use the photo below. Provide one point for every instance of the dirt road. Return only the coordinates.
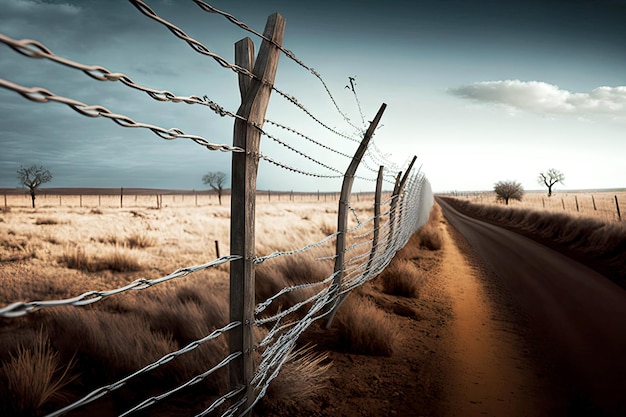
(576, 326)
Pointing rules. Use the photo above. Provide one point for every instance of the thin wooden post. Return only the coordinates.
(397, 191)
(122, 197)
(60, 200)
(217, 249)
(269, 195)
(563, 203)
(255, 97)
(576, 199)
(619, 215)
(377, 200)
(6, 207)
(99, 201)
(344, 206)
(593, 200)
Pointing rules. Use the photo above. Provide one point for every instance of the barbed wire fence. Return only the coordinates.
(361, 252)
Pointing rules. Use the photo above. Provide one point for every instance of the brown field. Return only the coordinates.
(598, 204)
(69, 245)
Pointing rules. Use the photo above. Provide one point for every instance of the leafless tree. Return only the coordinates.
(32, 177)
(216, 180)
(508, 190)
(549, 178)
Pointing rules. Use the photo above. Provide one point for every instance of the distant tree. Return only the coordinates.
(549, 178)
(216, 180)
(508, 190)
(32, 177)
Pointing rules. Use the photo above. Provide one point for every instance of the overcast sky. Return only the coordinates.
(480, 91)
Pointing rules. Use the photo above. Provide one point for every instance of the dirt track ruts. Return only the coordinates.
(578, 315)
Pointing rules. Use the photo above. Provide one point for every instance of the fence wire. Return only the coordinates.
(404, 213)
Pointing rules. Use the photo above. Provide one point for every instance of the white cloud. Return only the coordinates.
(540, 97)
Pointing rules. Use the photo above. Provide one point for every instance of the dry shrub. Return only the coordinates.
(115, 261)
(301, 378)
(46, 221)
(107, 346)
(402, 277)
(327, 228)
(364, 328)
(32, 377)
(137, 240)
(430, 236)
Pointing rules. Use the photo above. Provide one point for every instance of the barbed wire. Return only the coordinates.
(41, 95)
(210, 9)
(296, 170)
(22, 308)
(104, 390)
(292, 130)
(34, 49)
(198, 378)
(200, 48)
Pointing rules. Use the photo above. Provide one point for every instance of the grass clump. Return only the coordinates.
(140, 241)
(46, 221)
(32, 377)
(116, 261)
(305, 374)
(364, 328)
(402, 277)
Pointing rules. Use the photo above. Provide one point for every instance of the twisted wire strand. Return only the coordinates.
(222, 400)
(262, 259)
(41, 95)
(292, 130)
(296, 170)
(34, 49)
(22, 308)
(102, 391)
(210, 9)
(198, 378)
(291, 148)
(200, 48)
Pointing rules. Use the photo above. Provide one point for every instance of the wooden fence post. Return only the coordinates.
(255, 97)
(377, 199)
(217, 249)
(344, 205)
(6, 207)
(619, 215)
(576, 199)
(593, 200)
(122, 197)
(395, 197)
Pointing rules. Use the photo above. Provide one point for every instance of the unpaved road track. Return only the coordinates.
(578, 317)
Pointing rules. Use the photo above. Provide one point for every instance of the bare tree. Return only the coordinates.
(549, 178)
(32, 177)
(508, 190)
(216, 180)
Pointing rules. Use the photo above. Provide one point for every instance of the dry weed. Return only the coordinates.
(32, 377)
(402, 277)
(364, 328)
(115, 261)
(303, 376)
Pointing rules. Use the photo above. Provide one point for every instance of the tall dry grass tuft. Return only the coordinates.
(305, 374)
(364, 328)
(32, 377)
(140, 241)
(118, 260)
(402, 277)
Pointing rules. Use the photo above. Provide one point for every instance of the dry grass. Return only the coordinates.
(46, 221)
(364, 328)
(118, 260)
(33, 376)
(402, 277)
(305, 374)
(111, 246)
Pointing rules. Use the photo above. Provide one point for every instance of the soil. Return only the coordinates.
(462, 352)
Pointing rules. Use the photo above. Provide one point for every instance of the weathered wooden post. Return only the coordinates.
(377, 199)
(122, 197)
(217, 249)
(593, 200)
(619, 215)
(255, 95)
(344, 206)
(576, 199)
